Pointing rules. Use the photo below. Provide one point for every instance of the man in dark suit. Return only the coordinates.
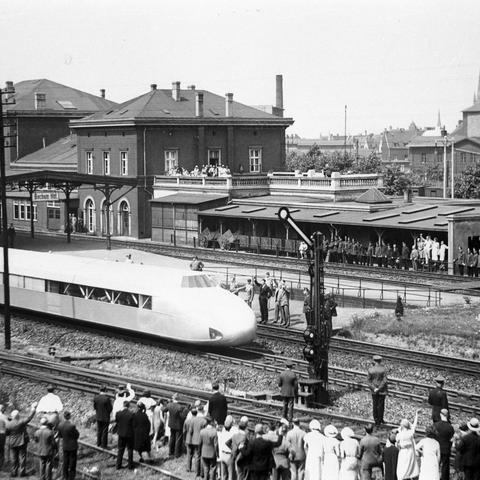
(288, 384)
(445, 433)
(176, 419)
(437, 398)
(68, 432)
(259, 453)
(217, 405)
(370, 453)
(378, 383)
(263, 296)
(208, 448)
(47, 448)
(103, 407)
(469, 448)
(16, 430)
(124, 422)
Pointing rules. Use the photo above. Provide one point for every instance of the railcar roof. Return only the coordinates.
(94, 272)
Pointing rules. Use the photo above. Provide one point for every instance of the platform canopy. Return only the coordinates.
(56, 177)
(32, 180)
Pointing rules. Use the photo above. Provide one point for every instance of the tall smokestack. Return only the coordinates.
(279, 94)
(229, 104)
(199, 104)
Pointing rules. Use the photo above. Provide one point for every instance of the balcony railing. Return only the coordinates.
(277, 181)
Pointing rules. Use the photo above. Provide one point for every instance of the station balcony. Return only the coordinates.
(337, 187)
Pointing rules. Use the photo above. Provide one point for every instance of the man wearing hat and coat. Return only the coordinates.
(217, 405)
(288, 384)
(469, 448)
(378, 383)
(437, 398)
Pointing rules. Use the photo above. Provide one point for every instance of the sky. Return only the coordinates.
(390, 62)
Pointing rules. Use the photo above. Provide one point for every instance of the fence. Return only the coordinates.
(348, 292)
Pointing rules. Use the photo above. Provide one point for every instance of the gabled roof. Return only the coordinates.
(373, 195)
(400, 138)
(60, 155)
(159, 105)
(59, 98)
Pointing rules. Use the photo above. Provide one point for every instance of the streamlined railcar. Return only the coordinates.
(175, 304)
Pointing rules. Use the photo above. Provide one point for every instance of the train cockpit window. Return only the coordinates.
(198, 281)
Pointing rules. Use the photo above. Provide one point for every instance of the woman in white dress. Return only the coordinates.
(428, 450)
(349, 451)
(313, 442)
(407, 465)
(331, 453)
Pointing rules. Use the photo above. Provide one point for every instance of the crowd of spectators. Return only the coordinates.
(425, 253)
(219, 446)
(204, 171)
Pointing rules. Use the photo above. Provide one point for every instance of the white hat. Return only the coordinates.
(14, 413)
(474, 425)
(347, 432)
(314, 425)
(330, 431)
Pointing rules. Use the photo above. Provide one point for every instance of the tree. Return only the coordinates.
(370, 164)
(467, 185)
(395, 181)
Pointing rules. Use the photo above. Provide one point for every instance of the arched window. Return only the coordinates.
(90, 215)
(124, 219)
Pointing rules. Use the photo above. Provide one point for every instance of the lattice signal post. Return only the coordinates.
(5, 143)
(319, 320)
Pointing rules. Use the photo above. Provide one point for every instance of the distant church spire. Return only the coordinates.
(439, 122)
(477, 96)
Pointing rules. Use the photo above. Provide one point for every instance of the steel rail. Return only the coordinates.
(457, 365)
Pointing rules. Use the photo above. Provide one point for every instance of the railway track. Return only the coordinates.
(455, 365)
(256, 357)
(87, 381)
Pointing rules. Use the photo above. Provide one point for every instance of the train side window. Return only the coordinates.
(17, 281)
(53, 287)
(36, 284)
(146, 302)
(75, 290)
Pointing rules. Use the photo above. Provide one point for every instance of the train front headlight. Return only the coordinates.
(215, 334)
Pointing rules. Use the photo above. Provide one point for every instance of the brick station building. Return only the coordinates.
(168, 129)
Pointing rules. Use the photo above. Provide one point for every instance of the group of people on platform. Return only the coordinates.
(269, 288)
(425, 253)
(204, 171)
(467, 262)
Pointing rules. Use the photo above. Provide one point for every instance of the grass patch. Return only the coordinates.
(453, 320)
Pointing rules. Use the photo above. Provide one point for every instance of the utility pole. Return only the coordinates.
(3, 198)
(345, 136)
(319, 323)
(452, 146)
(445, 166)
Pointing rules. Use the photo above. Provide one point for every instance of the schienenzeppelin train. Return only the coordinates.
(175, 304)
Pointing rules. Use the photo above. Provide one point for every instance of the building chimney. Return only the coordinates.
(229, 104)
(176, 91)
(199, 104)
(153, 87)
(191, 87)
(40, 101)
(9, 86)
(102, 92)
(279, 94)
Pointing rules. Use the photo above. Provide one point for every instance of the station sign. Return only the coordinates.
(45, 196)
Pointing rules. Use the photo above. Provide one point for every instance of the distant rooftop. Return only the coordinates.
(45, 96)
